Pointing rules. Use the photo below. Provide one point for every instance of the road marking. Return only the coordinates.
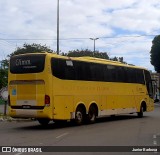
(155, 142)
(154, 136)
(64, 134)
(19, 153)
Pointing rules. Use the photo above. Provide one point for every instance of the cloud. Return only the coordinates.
(108, 20)
(139, 18)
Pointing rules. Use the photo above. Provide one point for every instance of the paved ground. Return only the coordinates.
(125, 130)
(2, 108)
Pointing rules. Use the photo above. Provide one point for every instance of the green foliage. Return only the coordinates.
(120, 59)
(27, 48)
(96, 54)
(86, 52)
(33, 48)
(3, 73)
(155, 53)
(36, 48)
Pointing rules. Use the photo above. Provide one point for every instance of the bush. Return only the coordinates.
(1, 101)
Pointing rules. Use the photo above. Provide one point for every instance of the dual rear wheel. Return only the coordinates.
(81, 116)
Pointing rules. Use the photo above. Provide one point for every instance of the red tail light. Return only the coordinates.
(47, 101)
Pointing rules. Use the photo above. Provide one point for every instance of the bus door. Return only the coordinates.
(150, 91)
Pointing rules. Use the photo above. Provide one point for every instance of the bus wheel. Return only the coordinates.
(140, 114)
(92, 114)
(79, 116)
(43, 121)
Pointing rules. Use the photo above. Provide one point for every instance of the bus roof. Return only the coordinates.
(97, 60)
(88, 59)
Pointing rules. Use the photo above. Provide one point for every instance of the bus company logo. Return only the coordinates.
(6, 149)
(20, 62)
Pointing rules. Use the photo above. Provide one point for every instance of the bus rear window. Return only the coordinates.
(27, 63)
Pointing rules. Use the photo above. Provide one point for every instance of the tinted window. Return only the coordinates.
(149, 83)
(131, 75)
(112, 73)
(79, 70)
(97, 73)
(27, 63)
(121, 74)
(140, 76)
(147, 76)
(82, 70)
(58, 68)
(63, 69)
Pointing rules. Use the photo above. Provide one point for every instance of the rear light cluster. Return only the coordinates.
(47, 101)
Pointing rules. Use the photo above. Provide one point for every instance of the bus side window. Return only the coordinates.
(79, 70)
(121, 75)
(69, 70)
(149, 83)
(58, 68)
(82, 70)
(63, 69)
(140, 76)
(131, 75)
(112, 73)
(106, 73)
(97, 73)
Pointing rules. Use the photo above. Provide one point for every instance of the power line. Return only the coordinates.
(83, 38)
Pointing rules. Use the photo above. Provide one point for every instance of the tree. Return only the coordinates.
(114, 59)
(3, 73)
(87, 52)
(31, 48)
(120, 59)
(155, 53)
(96, 54)
(27, 48)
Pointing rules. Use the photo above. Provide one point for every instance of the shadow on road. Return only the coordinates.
(61, 125)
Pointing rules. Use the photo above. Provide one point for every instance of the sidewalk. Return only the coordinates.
(2, 108)
(157, 104)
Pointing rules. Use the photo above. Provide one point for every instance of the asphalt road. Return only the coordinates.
(124, 130)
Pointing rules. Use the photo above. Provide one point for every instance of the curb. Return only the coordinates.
(10, 119)
(157, 104)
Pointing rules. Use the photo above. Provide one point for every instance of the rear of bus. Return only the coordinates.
(29, 87)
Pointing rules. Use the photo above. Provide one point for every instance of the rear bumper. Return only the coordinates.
(30, 113)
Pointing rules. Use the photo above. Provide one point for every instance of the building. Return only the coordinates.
(156, 77)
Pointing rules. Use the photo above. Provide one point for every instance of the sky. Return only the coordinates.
(125, 28)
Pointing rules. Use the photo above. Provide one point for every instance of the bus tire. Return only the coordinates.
(79, 116)
(92, 114)
(140, 114)
(60, 122)
(43, 121)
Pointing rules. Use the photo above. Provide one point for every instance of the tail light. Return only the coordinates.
(47, 101)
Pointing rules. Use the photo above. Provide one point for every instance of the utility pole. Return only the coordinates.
(57, 26)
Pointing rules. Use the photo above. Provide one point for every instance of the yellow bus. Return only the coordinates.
(48, 86)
